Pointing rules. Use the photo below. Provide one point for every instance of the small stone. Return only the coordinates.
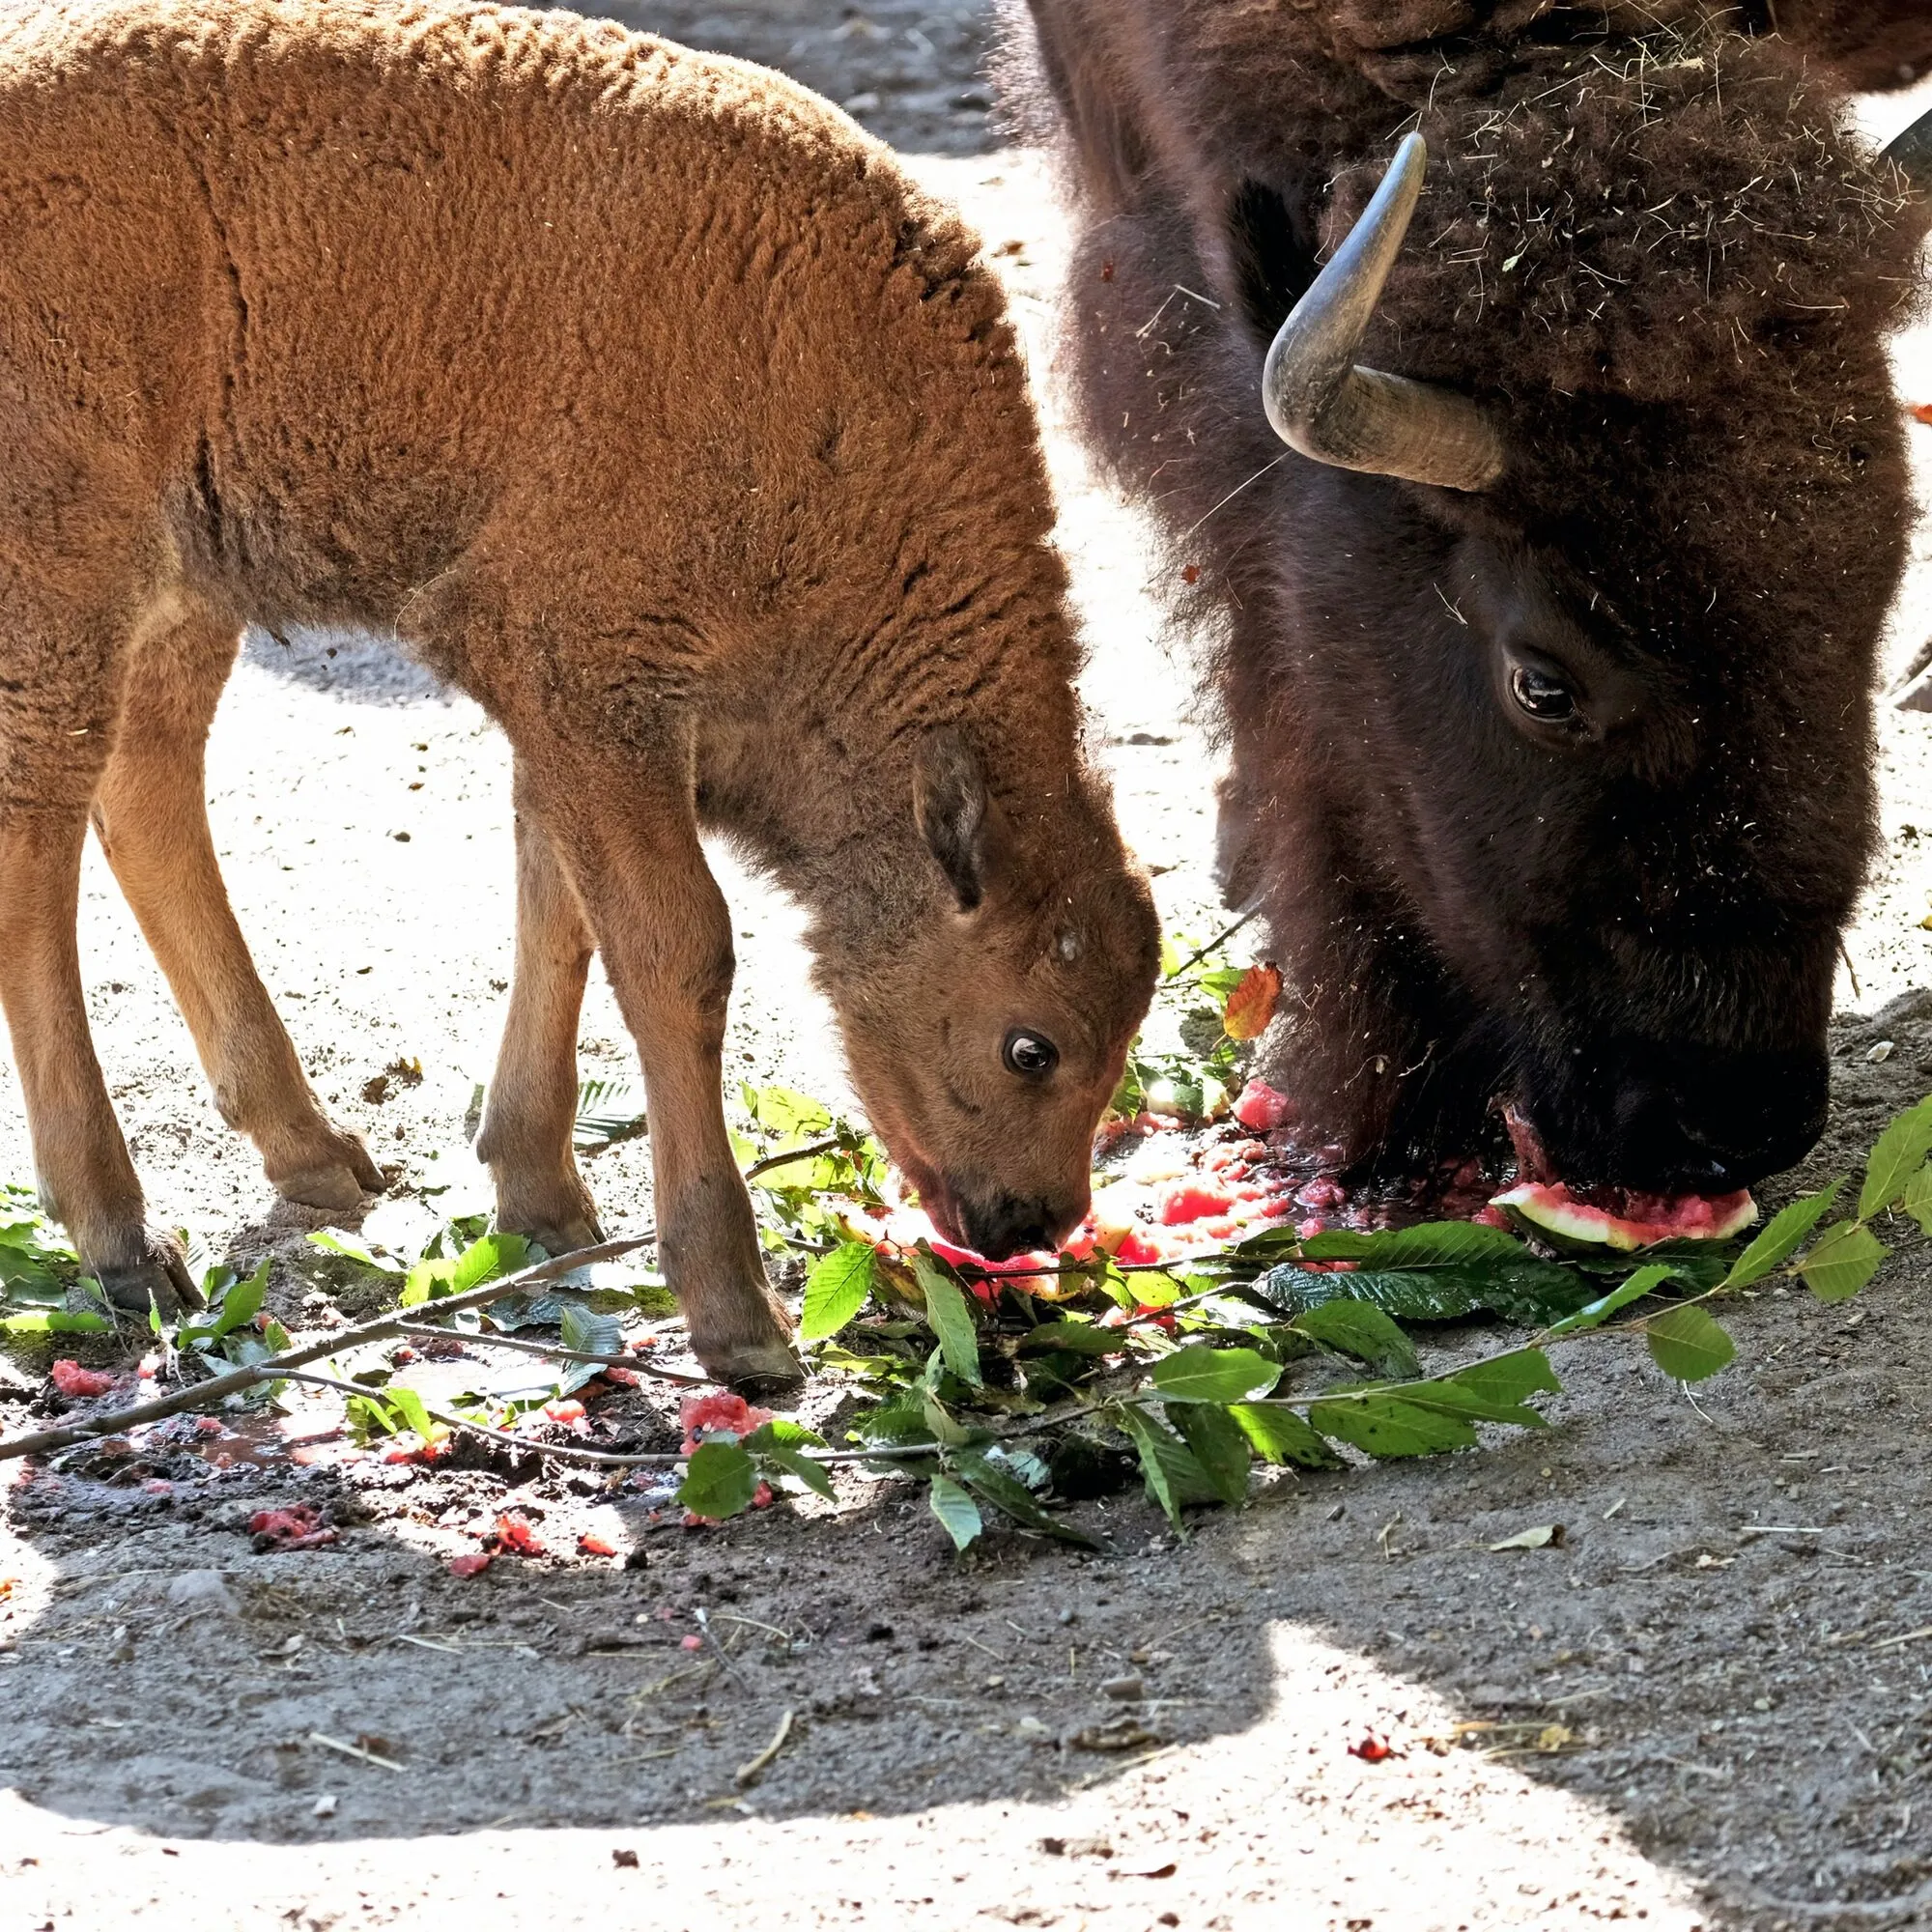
(324, 1806)
(205, 1592)
(1760, 1703)
(1881, 1053)
(1128, 1690)
(866, 103)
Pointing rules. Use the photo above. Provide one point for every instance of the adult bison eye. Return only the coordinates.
(1029, 1056)
(1545, 698)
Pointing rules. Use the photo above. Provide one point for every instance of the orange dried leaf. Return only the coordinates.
(1922, 413)
(1251, 1004)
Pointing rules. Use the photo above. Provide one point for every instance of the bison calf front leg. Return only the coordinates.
(80, 1159)
(526, 1140)
(664, 932)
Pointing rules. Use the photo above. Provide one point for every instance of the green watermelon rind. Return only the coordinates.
(1593, 1229)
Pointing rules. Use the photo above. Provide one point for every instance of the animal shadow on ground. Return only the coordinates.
(350, 665)
(1719, 1651)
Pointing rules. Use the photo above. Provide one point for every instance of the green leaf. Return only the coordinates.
(1280, 1436)
(1154, 1289)
(1428, 1244)
(56, 1321)
(788, 1113)
(25, 1279)
(1174, 1477)
(949, 1317)
(243, 1301)
(1509, 1379)
(957, 1513)
(493, 1255)
(410, 1406)
(1685, 1343)
(1220, 1446)
(1387, 1427)
(608, 1111)
(1522, 1289)
(720, 1480)
(1632, 1288)
(985, 1472)
(1900, 1151)
(1492, 1391)
(1782, 1239)
(1360, 1329)
(424, 1282)
(1198, 1373)
(784, 1442)
(336, 1242)
(836, 1289)
(1847, 1257)
(1918, 1198)
(586, 1332)
(1075, 1338)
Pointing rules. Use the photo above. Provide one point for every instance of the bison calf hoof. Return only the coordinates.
(554, 1212)
(337, 1179)
(159, 1279)
(758, 1370)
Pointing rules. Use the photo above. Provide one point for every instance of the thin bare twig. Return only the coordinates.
(201, 1395)
(811, 1153)
(747, 1774)
(555, 1352)
(662, 1459)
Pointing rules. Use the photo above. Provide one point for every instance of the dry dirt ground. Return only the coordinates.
(1731, 1642)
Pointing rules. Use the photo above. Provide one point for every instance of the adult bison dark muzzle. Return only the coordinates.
(1545, 512)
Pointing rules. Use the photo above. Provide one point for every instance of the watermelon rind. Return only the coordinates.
(1548, 1214)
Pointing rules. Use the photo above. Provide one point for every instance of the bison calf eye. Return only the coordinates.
(1029, 1056)
(1547, 700)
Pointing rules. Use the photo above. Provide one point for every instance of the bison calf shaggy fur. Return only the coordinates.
(1545, 650)
(653, 406)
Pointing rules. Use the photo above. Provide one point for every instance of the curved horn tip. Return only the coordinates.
(1911, 152)
(1320, 404)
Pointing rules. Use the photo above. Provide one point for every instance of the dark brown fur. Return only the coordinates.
(652, 405)
(1659, 263)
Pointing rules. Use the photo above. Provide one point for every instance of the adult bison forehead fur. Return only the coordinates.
(1663, 269)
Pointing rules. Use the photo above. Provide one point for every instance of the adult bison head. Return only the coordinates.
(1552, 740)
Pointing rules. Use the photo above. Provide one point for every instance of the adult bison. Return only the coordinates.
(1546, 647)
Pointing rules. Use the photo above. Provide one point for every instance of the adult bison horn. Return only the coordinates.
(1911, 151)
(1322, 404)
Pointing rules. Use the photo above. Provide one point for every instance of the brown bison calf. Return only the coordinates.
(649, 404)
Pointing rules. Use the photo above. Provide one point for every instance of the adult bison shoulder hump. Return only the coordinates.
(1549, 579)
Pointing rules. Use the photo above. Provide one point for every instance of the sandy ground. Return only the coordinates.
(1727, 1656)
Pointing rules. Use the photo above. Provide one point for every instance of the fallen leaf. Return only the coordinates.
(1126, 1733)
(1372, 1749)
(1251, 1004)
(1544, 1536)
(1922, 413)
(588, 1545)
(472, 1565)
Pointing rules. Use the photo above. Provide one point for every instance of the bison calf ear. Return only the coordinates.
(954, 814)
(1272, 254)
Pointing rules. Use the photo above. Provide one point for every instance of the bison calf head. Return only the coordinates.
(987, 1034)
